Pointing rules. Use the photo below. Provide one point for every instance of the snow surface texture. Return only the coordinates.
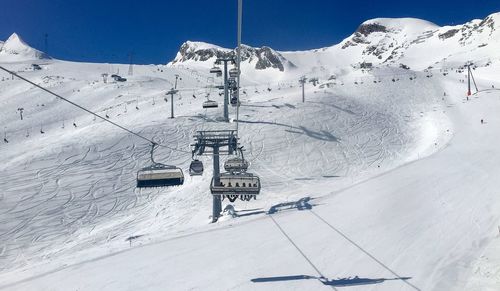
(379, 181)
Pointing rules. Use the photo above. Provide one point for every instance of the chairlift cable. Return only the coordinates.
(363, 250)
(91, 112)
(321, 276)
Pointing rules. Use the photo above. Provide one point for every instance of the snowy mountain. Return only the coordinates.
(260, 58)
(14, 49)
(378, 42)
(385, 178)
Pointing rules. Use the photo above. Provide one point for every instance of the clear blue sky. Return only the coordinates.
(106, 31)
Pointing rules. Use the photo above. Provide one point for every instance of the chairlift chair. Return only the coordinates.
(233, 73)
(159, 175)
(236, 164)
(196, 168)
(210, 104)
(236, 184)
(216, 70)
(234, 101)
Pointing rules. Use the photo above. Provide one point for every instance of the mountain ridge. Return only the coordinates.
(378, 41)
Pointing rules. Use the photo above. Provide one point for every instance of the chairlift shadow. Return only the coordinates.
(334, 106)
(341, 282)
(320, 135)
(231, 211)
(301, 204)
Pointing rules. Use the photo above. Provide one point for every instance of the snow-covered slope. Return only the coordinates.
(15, 49)
(384, 179)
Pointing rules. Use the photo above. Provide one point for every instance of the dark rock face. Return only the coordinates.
(263, 57)
(363, 31)
(267, 58)
(191, 53)
(403, 66)
(448, 34)
(366, 29)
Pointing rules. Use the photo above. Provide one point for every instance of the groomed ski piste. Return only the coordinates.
(383, 179)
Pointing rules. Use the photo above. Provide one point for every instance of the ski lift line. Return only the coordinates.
(321, 276)
(363, 250)
(94, 114)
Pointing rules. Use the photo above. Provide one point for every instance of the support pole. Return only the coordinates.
(303, 93)
(172, 105)
(226, 91)
(302, 81)
(171, 93)
(474, 81)
(468, 80)
(217, 202)
(238, 65)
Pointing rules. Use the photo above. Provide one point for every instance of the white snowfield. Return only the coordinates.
(384, 179)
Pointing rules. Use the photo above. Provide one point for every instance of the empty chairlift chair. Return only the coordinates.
(196, 168)
(210, 104)
(159, 175)
(237, 164)
(233, 73)
(216, 70)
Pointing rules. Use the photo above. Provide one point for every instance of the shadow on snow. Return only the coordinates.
(341, 282)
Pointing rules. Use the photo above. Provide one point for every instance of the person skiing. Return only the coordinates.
(482, 121)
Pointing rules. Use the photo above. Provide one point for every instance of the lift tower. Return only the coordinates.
(225, 60)
(302, 81)
(215, 142)
(172, 92)
(469, 77)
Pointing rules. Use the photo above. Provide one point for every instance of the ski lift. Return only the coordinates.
(242, 185)
(159, 175)
(233, 73)
(236, 164)
(196, 168)
(216, 70)
(234, 101)
(210, 104)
